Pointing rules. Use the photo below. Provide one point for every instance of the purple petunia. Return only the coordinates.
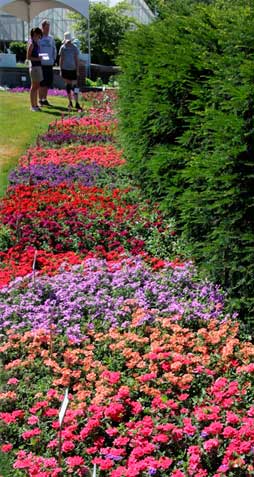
(55, 174)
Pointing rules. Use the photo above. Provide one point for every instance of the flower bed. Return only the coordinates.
(101, 294)
(93, 299)
(106, 156)
(81, 219)
(156, 399)
(55, 174)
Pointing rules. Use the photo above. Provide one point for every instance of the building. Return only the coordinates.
(138, 9)
(14, 29)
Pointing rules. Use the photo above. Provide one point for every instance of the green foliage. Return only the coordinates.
(19, 48)
(58, 43)
(5, 238)
(107, 28)
(186, 102)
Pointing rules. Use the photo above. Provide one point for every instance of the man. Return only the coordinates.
(48, 54)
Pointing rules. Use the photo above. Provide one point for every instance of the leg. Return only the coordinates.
(68, 89)
(37, 86)
(33, 93)
(45, 84)
(75, 90)
(43, 92)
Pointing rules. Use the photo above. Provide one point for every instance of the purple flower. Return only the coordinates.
(55, 174)
(94, 296)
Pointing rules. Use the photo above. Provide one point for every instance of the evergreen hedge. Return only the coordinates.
(186, 123)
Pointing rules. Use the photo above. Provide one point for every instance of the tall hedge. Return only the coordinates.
(186, 116)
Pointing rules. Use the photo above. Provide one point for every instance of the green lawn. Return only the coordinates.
(19, 128)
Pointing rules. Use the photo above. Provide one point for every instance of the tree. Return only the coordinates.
(186, 122)
(163, 7)
(107, 28)
(19, 48)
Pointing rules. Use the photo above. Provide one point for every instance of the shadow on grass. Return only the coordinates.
(53, 107)
(53, 112)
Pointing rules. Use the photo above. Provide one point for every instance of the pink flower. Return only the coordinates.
(114, 411)
(75, 461)
(13, 381)
(53, 444)
(229, 432)
(119, 472)
(31, 433)
(161, 438)
(165, 462)
(177, 473)
(111, 376)
(211, 444)
(6, 447)
(111, 431)
(214, 428)
(67, 446)
(232, 418)
(123, 392)
(121, 441)
(105, 464)
(51, 393)
(136, 407)
(147, 377)
(33, 420)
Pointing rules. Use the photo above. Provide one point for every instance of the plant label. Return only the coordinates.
(63, 408)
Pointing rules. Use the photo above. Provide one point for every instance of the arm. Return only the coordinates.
(54, 49)
(60, 60)
(77, 63)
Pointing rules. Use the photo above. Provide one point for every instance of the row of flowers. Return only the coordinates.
(102, 293)
(158, 380)
(154, 399)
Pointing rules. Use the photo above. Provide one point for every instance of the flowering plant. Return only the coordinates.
(154, 399)
(102, 294)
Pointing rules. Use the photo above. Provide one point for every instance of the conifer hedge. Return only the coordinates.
(186, 123)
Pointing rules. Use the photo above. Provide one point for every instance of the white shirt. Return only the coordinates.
(47, 45)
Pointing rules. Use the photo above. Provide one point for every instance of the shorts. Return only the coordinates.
(47, 80)
(69, 75)
(36, 73)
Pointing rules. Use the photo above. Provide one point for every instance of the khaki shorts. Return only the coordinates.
(36, 73)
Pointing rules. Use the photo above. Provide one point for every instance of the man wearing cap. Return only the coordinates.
(48, 55)
(69, 67)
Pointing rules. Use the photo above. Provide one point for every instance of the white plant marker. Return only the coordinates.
(61, 415)
(94, 471)
(63, 407)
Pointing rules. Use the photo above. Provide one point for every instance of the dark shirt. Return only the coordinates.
(35, 54)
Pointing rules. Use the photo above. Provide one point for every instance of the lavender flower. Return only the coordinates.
(96, 296)
(55, 174)
(67, 138)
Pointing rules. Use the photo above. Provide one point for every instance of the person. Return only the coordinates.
(35, 70)
(69, 68)
(48, 47)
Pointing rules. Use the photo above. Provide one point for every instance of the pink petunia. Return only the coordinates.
(75, 461)
(6, 448)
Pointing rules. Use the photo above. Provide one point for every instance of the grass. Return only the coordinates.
(19, 128)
